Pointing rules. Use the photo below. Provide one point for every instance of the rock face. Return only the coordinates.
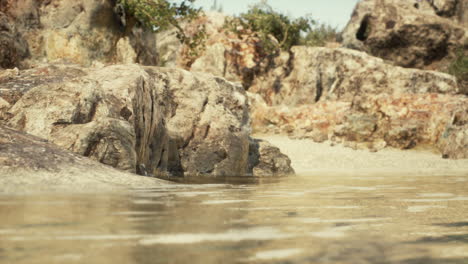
(267, 160)
(416, 34)
(350, 97)
(31, 164)
(147, 120)
(79, 31)
(454, 141)
(13, 48)
(308, 75)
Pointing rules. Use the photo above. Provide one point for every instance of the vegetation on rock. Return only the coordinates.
(319, 35)
(278, 31)
(275, 30)
(159, 15)
(459, 67)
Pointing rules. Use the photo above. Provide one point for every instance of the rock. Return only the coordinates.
(149, 120)
(4, 107)
(311, 74)
(13, 48)
(31, 164)
(454, 141)
(357, 127)
(235, 57)
(213, 61)
(267, 160)
(125, 52)
(209, 123)
(90, 114)
(401, 121)
(168, 48)
(416, 34)
(13, 84)
(348, 96)
(462, 14)
(80, 32)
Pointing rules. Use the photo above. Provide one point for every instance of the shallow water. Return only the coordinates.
(315, 219)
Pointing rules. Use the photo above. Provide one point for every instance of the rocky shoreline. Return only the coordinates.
(88, 90)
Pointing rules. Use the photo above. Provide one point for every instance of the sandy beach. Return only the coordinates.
(310, 158)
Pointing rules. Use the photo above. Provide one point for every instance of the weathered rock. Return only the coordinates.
(308, 75)
(350, 97)
(267, 160)
(210, 124)
(79, 31)
(4, 107)
(13, 48)
(88, 114)
(168, 48)
(213, 61)
(13, 84)
(147, 120)
(409, 33)
(454, 141)
(401, 121)
(31, 164)
(235, 57)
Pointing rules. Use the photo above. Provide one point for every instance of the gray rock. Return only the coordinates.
(409, 33)
(80, 31)
(31, 164)
(13, 48)
(148, 120)
(310, 74)
(267, 160)
(351, 97)
(453, 143)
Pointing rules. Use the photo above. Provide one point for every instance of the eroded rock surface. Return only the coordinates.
(454, 141)
(147, 120)
(80, 32)
(13, 48)
(267, 160)
(32, 164)
(311, 74)
(350, 97)
(415, 34)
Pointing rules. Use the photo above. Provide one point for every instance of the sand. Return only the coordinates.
(310, 158)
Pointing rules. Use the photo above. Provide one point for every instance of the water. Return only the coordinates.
(315, 219)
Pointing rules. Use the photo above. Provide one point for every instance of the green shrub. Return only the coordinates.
(319, 35)
(159, 15)
(275, 30)
(459, 67)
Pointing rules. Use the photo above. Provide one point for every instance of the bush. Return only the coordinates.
(319, 35)
(275, 30)
(459, 67)
(159, 15)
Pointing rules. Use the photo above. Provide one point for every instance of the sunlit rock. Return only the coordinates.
(416, 34)
(148, 120)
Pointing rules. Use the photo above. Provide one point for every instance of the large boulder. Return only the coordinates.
(13, 48)
(31, 164)
(79, 31)
(208, 123)
(308, 75)
(148, 120)
(417, 34)
(350, 97)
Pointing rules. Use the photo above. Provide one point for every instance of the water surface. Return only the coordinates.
(301, 219)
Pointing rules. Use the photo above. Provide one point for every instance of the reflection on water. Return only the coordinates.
(413, 220)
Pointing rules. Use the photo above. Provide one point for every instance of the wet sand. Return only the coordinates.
(310, 158)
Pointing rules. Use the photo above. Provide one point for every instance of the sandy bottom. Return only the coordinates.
(310, 158)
